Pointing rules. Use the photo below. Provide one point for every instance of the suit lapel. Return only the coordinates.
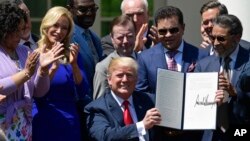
(189, 57)
(114, 109)
(138, 107)
(214, 64)
(159, 58)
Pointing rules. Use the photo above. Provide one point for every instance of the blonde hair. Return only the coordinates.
(124, 61)
(2, 136)
(51, 17)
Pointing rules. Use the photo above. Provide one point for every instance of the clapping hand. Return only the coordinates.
(74, 49)
(140, 39)
(225, 89)
(205, 39)
(225, 84)
(30, 64)
(154, 35)
(55, 53)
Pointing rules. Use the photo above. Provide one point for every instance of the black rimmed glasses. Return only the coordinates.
(173, 30)
(84, 10)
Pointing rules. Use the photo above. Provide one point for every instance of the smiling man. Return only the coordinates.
(123, 39)
(230, 60)
(172, 53)
(122, 114)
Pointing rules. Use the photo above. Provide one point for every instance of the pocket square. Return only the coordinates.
(191, 67)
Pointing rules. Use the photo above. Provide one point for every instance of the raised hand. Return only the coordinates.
(205, 39)
(74, 49)
(153, 35)
(48, 57)
(140, 39)
(30, 64)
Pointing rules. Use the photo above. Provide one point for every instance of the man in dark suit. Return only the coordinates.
(209, 11)
(106, 116)
(244, 80)
(170, 26)
(28, 39)
(90, 53)
(138, 11)
(225, 37)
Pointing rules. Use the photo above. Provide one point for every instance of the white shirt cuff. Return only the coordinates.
(140, 128)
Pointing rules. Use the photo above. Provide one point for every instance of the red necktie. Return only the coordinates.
(126, 114)
(171, 61)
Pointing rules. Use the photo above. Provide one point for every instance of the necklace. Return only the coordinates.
(14, 57)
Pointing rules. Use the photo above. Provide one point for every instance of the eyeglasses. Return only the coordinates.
(173, 30)
(84, 10)
(218, 38)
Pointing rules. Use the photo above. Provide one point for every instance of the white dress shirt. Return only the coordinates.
(139, 125)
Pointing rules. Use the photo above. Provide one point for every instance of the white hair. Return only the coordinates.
(144, 2)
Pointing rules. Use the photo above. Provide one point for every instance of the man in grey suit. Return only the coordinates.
(226, 34)
(123, 39)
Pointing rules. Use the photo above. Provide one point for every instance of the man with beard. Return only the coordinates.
(84, 13)
(123, 38)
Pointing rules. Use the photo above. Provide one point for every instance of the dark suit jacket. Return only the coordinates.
(105, 118)
(34, 37)
(85, 57)
(152, 59)
(245, 79)
(238, 112)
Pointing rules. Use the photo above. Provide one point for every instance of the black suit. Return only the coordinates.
(34, 37)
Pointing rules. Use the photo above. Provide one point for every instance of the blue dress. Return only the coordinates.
(57, 118)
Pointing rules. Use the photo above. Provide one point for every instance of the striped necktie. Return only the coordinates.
(171, 63)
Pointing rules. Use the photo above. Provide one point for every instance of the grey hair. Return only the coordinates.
(144, 2)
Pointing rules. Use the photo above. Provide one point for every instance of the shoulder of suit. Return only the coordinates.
(144, 97)
(108, 58)
(35, 37)
(97, 103)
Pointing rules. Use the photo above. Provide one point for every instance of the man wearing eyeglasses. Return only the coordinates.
(209, 11)
(230, 59)
(90, 53)
(170, 25)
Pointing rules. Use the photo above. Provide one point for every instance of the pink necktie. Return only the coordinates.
(126, 114)
(171, 61)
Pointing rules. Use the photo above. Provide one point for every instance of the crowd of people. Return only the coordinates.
(69, 84)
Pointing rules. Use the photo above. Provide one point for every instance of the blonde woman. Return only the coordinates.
(57, 117)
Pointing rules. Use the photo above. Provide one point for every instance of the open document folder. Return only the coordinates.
(186, 100)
